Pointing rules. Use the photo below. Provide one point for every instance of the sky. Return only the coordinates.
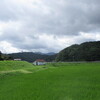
(47, 25)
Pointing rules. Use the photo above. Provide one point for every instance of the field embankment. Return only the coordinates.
(17, 66)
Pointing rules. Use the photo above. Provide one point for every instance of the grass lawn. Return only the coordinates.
(60, 81)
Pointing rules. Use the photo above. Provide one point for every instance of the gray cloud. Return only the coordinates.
(24, 23)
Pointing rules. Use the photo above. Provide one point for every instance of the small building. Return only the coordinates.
(17, 59)
(39, 62)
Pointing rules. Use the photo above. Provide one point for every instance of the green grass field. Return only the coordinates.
(60, 81)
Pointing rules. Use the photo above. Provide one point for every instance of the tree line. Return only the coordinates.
(5, 56)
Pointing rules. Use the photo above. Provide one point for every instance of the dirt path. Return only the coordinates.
(26, 71)
(11, 71)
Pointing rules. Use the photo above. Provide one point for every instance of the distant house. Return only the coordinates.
(17, 59)
(39, 62)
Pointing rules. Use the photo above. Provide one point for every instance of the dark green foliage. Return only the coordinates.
(1, 56)
(88, 51)
(5, 57)
(30, 56)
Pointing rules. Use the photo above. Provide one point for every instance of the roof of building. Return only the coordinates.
(40, 60)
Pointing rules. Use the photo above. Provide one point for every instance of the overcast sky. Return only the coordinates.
(47, 25)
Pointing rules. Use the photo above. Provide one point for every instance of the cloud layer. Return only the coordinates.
(47, 26)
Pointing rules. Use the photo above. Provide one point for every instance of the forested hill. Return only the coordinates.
(87, 51)
(30, 56)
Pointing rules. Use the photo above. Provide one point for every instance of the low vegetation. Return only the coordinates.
(54, 81)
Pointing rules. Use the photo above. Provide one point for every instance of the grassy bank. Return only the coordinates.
(13, 65)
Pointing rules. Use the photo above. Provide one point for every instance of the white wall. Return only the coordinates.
(39, 63)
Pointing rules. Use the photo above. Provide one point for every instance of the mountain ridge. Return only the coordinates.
(32, 56)
(87, 51)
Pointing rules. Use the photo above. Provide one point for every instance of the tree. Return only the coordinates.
(1, 56)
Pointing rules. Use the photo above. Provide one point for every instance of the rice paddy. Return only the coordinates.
(55, 81)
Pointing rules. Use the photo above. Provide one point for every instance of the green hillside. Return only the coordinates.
(59, 81)
(88, 51)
